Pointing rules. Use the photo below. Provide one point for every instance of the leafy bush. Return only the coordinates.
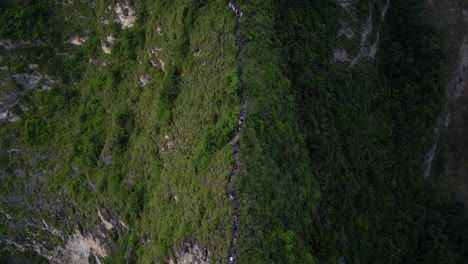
(24, 19)
(35, 130)
(169, 92)
(123, 122)
(91, 125)
(217, 137)
(135, 202)
(78, 187)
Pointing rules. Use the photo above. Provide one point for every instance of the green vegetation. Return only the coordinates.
(24, 19)
(21, 257)
(119, 144)
(359, 194)
(331, 154)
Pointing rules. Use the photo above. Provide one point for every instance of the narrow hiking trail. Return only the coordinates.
(232, 254)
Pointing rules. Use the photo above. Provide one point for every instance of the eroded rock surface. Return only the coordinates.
(452, 18)
(192, 252)
(25, 82)
(105, 49)
(77, 41)
(125, 15)
(366, 50)
(80, 247)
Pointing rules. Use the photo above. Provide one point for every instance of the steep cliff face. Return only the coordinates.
(452, 17)
(34, 220)
(358, 38)
(192, 252)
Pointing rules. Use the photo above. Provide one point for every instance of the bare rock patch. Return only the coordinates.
(125, 15)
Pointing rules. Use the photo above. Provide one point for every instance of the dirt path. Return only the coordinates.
(232, 255)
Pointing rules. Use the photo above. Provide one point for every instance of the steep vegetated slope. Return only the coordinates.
(341, 148)
(127, 146)
(118, 117)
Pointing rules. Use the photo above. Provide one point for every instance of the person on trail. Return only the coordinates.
(241, 121)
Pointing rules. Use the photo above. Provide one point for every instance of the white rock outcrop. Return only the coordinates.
(111, 39)
(366, 51)
(77, 41)
(125, 15)
(192, 252)
(144, 79)
(79, 248)
(105, 49)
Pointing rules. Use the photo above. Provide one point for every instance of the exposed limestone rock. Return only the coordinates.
(67, 3)
(458, 81)
(79, 248)
(196, 51)
(33, 66)
(6, 43)
(111, 39)
(8, 116)
(367, 30)
(129, 181)
(106, 49)
(77, 41)
(153, 51)
(125, 15)
(455, 89)
(346, 30)
(162, 64)
(345, 4)
(106, 223)
(110, 220)
(157, 61)
(97, 62)
(341, 55)
(24, 83)
(428, 161)
(366, 51)
(144, 79)
(452, 18)
(192, 252)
